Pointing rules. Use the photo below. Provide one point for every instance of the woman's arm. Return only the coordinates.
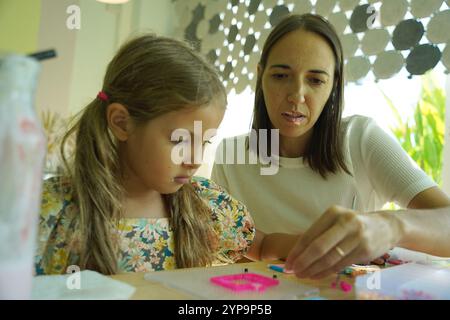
(342, 236)
(426, 223)
(429, 199)
(273, 246)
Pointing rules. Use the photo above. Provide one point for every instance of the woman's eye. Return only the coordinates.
(316, 81)
(279, 76)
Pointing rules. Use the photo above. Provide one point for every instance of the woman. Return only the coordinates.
(332, 171)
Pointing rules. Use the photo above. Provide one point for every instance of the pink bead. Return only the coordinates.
(345, 286)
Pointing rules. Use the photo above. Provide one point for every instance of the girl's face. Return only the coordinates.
(296, 83)
(148, 153)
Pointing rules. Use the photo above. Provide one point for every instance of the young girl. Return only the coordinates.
(124, 204)
(329, 167)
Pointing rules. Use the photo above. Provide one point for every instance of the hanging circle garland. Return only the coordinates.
(230, 34)
(422, 58)
(407, 34)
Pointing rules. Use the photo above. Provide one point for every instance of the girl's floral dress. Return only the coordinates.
(145, 244)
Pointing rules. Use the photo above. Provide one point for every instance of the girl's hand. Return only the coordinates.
(341, 237)
(272, 246)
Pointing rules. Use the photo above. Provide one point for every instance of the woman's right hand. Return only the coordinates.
(341, 237)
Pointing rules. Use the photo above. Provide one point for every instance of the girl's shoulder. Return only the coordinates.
(207, 188)
(232, 221)
(200, 183)
(216, 196)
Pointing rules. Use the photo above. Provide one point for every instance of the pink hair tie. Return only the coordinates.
(102, 96)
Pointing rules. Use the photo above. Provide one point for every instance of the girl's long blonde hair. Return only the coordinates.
(150, 76)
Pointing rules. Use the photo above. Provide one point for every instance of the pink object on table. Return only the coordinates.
(395, 261)
(245, 282)
(345, 286)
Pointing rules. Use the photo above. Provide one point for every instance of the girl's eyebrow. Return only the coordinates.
(285, 66)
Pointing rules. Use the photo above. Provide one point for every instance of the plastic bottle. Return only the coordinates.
(22, 153)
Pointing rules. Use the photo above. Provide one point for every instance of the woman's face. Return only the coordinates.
(297, 82)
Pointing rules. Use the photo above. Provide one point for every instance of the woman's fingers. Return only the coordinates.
(325, 221)
(361, 254)
(334, 256)
(344, 223)
(338, 267)
(349, 238)
(319, 248)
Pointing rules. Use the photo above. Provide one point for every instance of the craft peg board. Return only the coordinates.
(196, 283)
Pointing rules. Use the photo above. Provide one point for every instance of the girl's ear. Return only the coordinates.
(118, 118)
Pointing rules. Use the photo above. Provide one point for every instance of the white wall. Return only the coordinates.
(95, 46)
(53, 91)
(156, 16)
(105, 28)
(72, 80)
